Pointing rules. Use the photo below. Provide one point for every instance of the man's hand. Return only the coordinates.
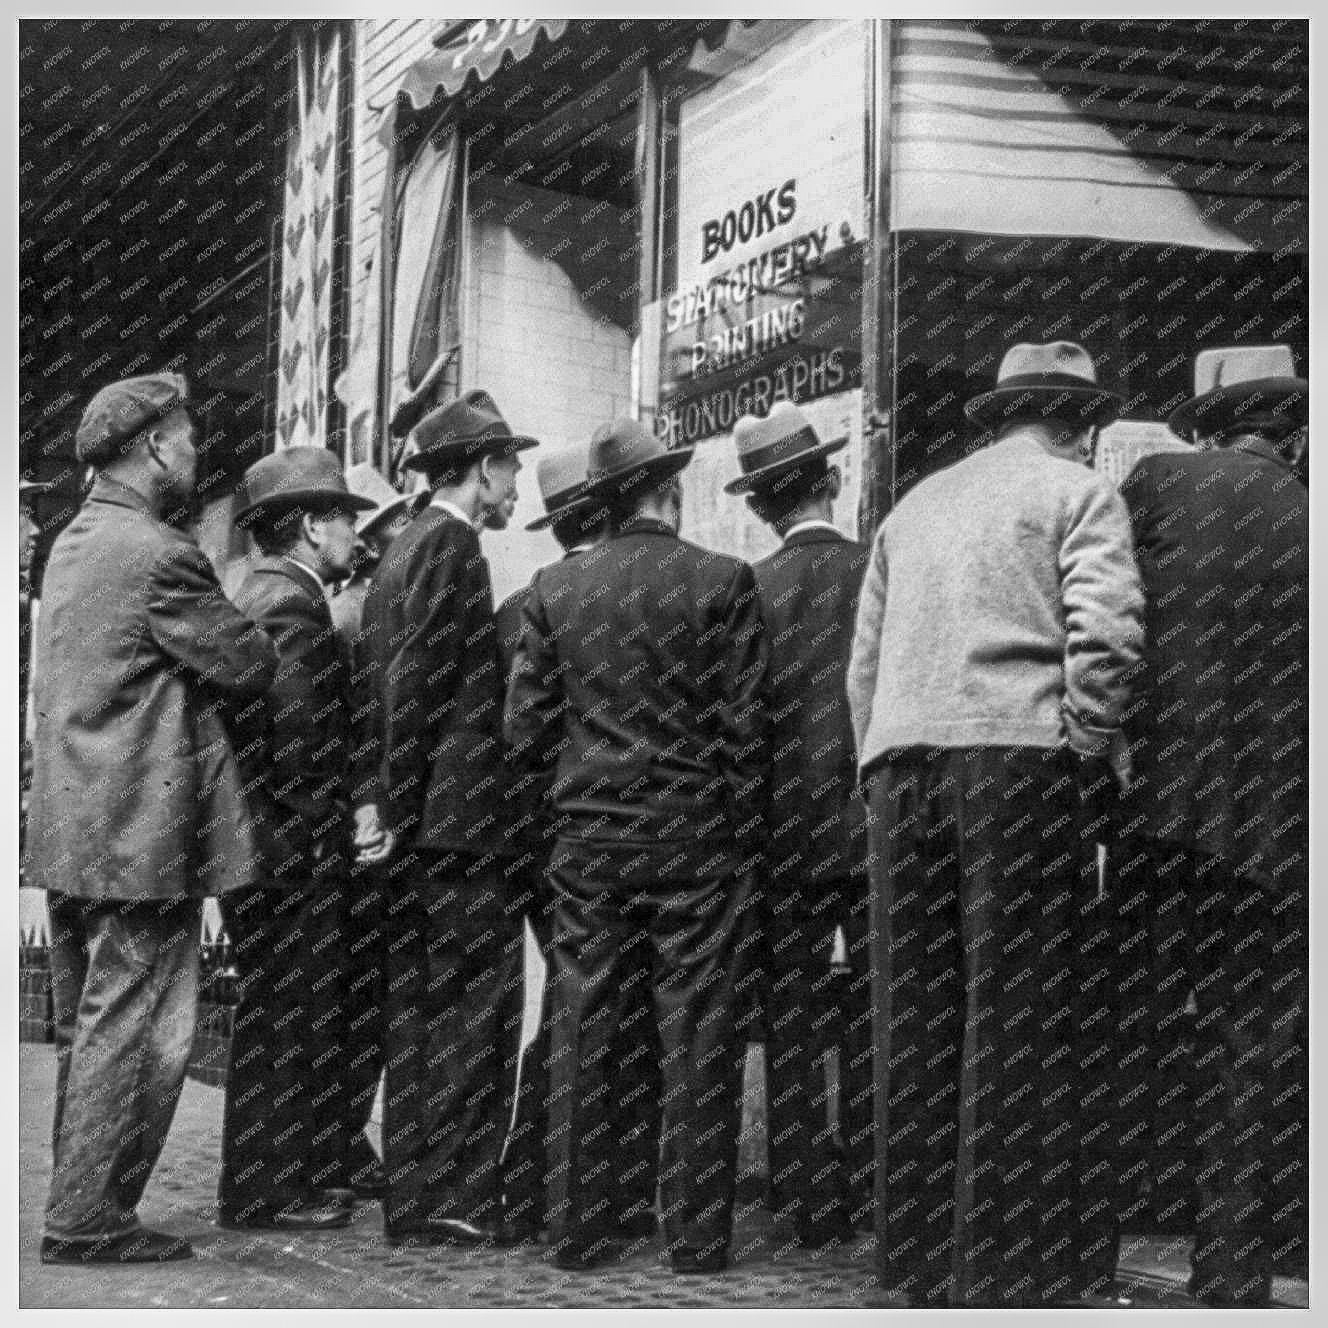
(373, 843)
(1118, 757)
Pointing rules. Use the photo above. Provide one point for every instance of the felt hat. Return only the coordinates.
(1048, 377)
(292, 477)
(366, 481)
(1233, 382)
(459, 432)
(625, 455)
(769, 447)
(562, 483)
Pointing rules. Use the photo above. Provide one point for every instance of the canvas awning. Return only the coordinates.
(1155, 131)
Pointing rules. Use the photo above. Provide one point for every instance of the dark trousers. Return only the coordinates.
(453, 1014)
(125, 987)
(1242, 950)
(284, 1124)
(634, 1097)
(984, 910)
(815, 1180)
(625, 917)
(365, 994)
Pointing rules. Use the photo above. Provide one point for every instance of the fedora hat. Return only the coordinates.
(1041, 376)
(1232, 382)
(366, 481)
(562, 484)
(768, 447)
(294, 476)
(459, 432)
(625, 454)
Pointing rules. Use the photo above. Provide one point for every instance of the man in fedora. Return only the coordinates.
(137, 809)
(366, 953)
(454, 980)
(580, 526)
(999, 620)
(815, 876)
(1218, 846)
(637, 700)
(284, 1127)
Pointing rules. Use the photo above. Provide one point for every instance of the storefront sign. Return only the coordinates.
(785, 324)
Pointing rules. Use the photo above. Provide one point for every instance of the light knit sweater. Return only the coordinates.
(1002, 606)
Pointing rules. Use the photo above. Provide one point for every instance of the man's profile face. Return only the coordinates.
(500, 495)
(177, 445)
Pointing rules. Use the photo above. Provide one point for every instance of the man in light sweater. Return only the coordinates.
(998, 624)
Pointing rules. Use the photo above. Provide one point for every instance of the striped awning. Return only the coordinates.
(477, 54)
(1157, 131)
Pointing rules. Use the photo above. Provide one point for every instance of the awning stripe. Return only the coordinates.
(478, 54)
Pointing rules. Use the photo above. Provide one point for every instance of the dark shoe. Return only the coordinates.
(342, 1196)
(370, 1182)
(817, 1237)
(692, 1261)
(451, 1231)
(141, 1246)
(311, 1215)
(577, 1259)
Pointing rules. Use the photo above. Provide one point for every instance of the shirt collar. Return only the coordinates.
(1261, 448)
(814, 523)
(308, 572)
(451, 509)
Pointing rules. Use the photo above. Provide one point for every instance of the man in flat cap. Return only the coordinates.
(816, 877)
(284, 1131)
(999, 621)
(454, 981)
(579, 525)
(637, 699)
(1218, 832)
(137, 808)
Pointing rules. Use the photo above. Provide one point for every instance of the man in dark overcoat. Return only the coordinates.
(579, 526)
(815, 878)
(454, 980)
(1217, 854)
(637, 695)
(137, 808)
(284, 1126)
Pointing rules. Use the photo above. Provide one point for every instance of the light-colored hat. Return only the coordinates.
(292, 476)
(771, 446)
(1232, 382)
(367, 481)
(625, 454)
(562, 484)
(1045, 377)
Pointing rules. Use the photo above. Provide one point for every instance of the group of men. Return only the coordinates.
(688, 777)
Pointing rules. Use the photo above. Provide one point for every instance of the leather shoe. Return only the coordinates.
(370, 1183)
(577, 1259)
(141, 1246)
(340, 1195)
(451, 1231)
(310, 1215)
(693, 1261)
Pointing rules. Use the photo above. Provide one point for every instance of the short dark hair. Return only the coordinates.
(785, 494)
(277, 530)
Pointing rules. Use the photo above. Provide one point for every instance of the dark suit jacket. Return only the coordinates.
(294, 743)
(638, 693)
(431, 644)
(136, 793)
(809, 599)
(1221, 723)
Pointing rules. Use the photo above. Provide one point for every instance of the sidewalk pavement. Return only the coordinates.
(354, 1269)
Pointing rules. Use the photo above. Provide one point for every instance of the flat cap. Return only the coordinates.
(123, 410)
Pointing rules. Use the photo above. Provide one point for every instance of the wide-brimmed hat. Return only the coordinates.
(625, 455)
(121, 411)
(292, 477)
(769, 447)
(459, 432)
(367, 481)
(1055, 377)
(562, 484)
(1232, 382)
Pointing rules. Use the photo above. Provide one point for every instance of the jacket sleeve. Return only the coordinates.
(303, 768)
(743, 716)
(194, 623)
(532, 716)
(365, 719)
(864, 655)
(1103, 607)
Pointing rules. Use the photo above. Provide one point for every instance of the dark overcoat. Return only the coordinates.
(1220, 726)
(436, 686)
(136, 791)
(809, 599)
(294, 742)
